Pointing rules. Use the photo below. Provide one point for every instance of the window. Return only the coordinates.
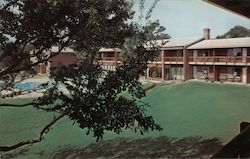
(205, 53)
(179, 53)
(202, 68)
(234, 52)
(237, 71)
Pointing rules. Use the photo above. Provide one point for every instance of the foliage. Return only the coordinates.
(236, 32)
(93, 101)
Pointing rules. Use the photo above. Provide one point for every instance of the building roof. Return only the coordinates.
(109, 50)
(240, 7)
(222, 43)
(65, 50)
(70, 50)
(177, 43)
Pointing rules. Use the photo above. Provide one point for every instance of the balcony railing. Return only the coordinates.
(158, 59)
(110, 58)
(223, 59)
(173, 59)
(203, 59)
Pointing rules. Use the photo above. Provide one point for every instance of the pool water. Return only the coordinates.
(33, 85)
(27, 85)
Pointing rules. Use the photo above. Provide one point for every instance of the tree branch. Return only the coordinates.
(12, 69)
(35, 140)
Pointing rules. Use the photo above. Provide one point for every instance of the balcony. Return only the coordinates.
(168, 60)
(112, 59)
(220, 60)
(173, 60)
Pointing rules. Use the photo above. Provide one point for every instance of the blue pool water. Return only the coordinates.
(27, 85)
(32, 85)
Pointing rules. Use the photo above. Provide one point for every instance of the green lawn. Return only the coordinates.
(189, 109)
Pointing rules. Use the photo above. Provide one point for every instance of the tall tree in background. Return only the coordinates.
(235, 32)
(93, 99)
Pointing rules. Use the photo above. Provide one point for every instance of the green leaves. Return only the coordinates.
(92, 97)
(93, 101)
(235, 32)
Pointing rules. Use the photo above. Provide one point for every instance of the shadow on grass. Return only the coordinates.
(14, 153)
(160, 147)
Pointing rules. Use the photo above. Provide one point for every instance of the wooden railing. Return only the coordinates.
(110, 58)
(248, 59)
(225, 59)
(158, 58)
(213, 59)
(173, 59)
(169, 59)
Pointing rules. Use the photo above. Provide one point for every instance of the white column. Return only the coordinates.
(147, 73)
(244, 54)
(195, 53)
(244, 75)
(162, 66)
(194, 72)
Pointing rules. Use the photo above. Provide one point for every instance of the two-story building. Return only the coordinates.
(195, 58)
(109, 58)
(66, 57)
(180, 59)
(221, 59)
(172, 63)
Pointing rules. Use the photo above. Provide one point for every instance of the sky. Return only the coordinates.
(187, 18)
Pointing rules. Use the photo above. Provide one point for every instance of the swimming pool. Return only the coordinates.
(33, 85)
(27, 85)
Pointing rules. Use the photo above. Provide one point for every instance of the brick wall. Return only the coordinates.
(63, 59)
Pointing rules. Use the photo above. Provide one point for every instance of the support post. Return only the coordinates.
(244, 75)
(147, 73)
(163, 72)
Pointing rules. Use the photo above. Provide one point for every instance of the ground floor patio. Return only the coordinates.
(238, 74)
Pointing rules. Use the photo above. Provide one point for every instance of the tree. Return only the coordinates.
(236, 32)
(94, 101)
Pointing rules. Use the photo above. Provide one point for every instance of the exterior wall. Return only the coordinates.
(187, 69)
(41, 68)
(63, 59)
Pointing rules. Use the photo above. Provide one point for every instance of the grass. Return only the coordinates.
(197, 108)
(189, 109)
